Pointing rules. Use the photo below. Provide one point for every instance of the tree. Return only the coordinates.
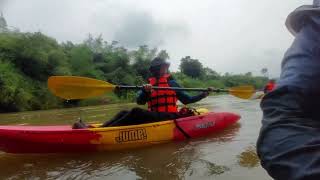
(264, 72)
(3, 24)
(30, 53)
(57, 63)
(94, 44)
(163, 54)
(210, 73)
(248, 74)
(14, 89)
(81, 62)
(142, 59)
(191, 67)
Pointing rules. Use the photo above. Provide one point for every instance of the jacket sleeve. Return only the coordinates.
(289, 140)
(183, 96)
(265, 89)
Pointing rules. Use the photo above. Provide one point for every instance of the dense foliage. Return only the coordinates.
(28, 59)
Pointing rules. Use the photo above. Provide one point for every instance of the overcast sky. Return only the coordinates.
(235, 36)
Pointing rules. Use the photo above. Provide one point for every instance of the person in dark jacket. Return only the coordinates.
(289, 140)
(162, 104)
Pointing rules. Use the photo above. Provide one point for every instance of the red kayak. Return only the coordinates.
(64, 139)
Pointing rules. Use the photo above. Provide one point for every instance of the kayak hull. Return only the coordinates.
(64, 139)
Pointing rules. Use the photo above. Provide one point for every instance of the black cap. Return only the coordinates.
(158, 62)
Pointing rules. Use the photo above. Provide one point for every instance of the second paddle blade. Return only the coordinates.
(73, 87)
(244, 92)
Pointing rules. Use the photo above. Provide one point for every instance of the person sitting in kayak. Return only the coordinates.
(271, 85)
(162, 104)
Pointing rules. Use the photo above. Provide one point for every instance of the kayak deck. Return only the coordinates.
(64, 139)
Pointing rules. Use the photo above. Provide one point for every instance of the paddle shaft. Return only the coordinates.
(73, 87)
(170, 88)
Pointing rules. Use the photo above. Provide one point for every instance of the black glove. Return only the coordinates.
(206, 93)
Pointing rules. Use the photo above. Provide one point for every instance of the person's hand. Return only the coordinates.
(147, 88)
(210, 89)
(206, 93)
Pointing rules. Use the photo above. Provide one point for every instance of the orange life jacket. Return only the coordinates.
(162, 100)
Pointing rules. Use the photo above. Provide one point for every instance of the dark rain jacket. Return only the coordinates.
(289, 140)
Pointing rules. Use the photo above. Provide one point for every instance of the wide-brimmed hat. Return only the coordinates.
(298, 17)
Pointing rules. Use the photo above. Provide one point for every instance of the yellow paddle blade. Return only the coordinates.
(244, 92)
(73, 87)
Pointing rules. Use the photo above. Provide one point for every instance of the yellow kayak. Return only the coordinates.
(61, 139)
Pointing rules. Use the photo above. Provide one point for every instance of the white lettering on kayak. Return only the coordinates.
(205, 125)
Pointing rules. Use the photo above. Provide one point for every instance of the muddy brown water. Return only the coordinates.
(229, 154)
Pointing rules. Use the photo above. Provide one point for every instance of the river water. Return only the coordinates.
(229, 154)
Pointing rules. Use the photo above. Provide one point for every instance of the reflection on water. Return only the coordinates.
(65, 116)
(225, 155)
(248, 158)
(172, 160)
(208, 167)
